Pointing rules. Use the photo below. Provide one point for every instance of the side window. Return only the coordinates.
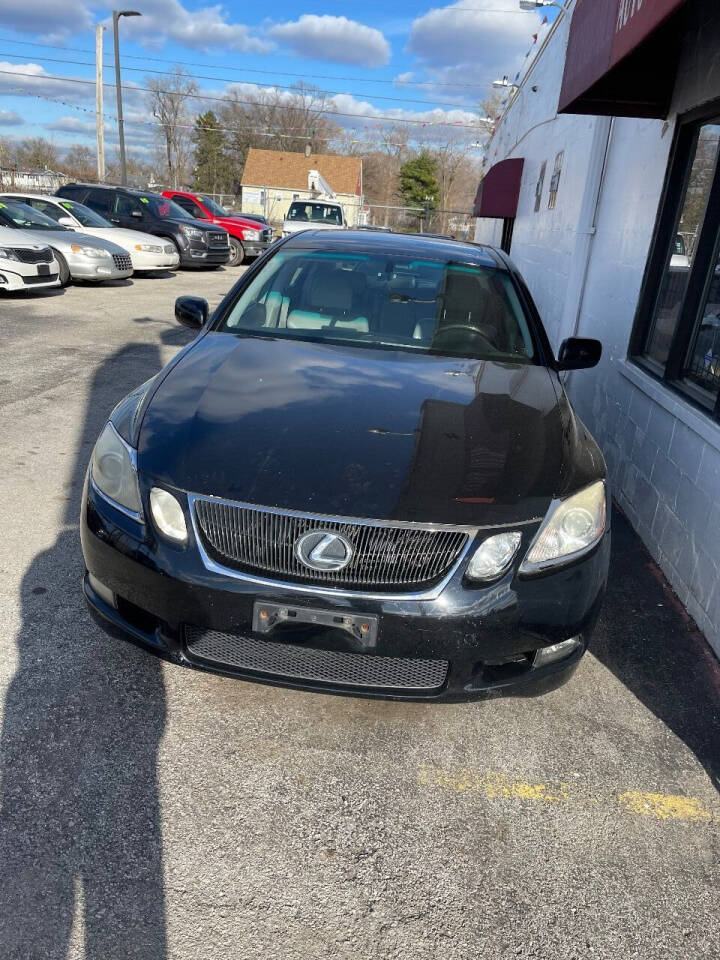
(125, 206)
(100, 200)
(190, 207)
(49, 209)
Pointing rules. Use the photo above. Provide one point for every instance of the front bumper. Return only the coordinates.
(200, 255)
(488, 635)
(26, 277)
(145, 262)
(255, 248)
(86, 268)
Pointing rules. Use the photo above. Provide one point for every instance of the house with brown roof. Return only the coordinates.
(272, 179)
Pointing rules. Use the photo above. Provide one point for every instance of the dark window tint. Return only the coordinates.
(100, 200)
(126, 206)
(189, 206)
(677, 331)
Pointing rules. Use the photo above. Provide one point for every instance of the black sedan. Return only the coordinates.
(363, 476)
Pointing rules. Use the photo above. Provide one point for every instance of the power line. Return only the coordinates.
(252, 103)
(278, 73)
(276, 86)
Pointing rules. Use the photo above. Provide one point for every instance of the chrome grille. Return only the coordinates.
(392, 557)
(219, 239)
(26, 255)
(122, 261)
(169, 249)
(293, 662)
(267, 235)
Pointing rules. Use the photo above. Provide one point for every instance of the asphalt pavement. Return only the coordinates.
(151, 812)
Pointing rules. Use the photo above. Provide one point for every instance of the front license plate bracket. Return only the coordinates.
(269, 616)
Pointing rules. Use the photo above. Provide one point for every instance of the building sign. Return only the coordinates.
(636, 20)
(252, 195)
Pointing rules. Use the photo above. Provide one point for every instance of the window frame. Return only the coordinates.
(677, 175)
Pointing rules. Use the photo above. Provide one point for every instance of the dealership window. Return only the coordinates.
(677, 329)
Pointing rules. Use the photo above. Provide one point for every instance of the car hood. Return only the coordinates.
(12, 237)
(352, 431)
(239, 222)
(295, 226)
(63, 240)
(127, 239)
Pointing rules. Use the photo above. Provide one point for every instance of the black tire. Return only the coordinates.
(237, 252)
(64, 272)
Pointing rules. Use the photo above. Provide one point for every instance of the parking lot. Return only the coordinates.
(154, 812)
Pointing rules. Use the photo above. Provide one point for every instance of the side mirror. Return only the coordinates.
(137, 214)
(578, 353)
(67, 222)
(192, 312)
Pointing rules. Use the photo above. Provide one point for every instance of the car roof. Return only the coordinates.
(416, 244)
(136, 191)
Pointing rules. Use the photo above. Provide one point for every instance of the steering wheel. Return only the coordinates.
(438, 339)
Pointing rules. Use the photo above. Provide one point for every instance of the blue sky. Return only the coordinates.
(397, 59)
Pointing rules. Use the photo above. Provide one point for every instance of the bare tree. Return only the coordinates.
(80, 163)
(37, 153)
(277, 120)
(168, 100)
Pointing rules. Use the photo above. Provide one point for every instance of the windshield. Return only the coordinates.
(14, 214)
(84, 215)
(315, 212)
(167, 209)
(386, 301)
(213, 207)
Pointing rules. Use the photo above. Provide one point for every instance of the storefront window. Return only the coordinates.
(677, 334)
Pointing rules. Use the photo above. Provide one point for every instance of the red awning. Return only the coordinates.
(499, 189)
(621, 58)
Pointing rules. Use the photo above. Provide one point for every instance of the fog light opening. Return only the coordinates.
(99, 588)
(556, 651)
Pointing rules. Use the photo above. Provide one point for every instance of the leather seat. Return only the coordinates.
(331, 302)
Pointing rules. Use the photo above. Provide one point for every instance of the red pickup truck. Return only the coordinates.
(248, 238)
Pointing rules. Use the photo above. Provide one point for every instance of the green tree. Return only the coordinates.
(212, 168)
(419, 185)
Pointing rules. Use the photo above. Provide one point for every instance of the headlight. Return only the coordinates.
(7, 253)
(571, 528)
(114, 472)
(168, 515)
(148, 247)
(493, 556)
(94, 252)
(193, 233)
(251, 234)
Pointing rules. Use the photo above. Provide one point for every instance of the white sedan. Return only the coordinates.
(25, 264)
(148, 253)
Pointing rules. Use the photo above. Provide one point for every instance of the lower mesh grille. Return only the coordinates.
(122, 261)
(291, 662)
(27, 255)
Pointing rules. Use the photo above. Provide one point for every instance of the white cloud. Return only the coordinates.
(71, 125)
(36, 16)
(9, 118)
(205, 28)
(28, 79)
(335, 39)
(477, 45)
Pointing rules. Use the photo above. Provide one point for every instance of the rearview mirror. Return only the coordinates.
(578, 353)
(192, 312)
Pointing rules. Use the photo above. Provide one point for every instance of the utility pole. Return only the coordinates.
(118, 88)
(99, 120)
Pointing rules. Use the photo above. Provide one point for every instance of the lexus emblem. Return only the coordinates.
(323, 550)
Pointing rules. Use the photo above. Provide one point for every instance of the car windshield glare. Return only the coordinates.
(386, 301)
(14, 214)
(315, 213)
(213, 207)
(84, 215)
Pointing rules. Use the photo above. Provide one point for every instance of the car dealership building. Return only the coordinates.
(602, 179)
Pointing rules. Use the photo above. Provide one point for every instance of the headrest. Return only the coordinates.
(331, 291)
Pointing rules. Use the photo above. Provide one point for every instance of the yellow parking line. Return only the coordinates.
(492, 785)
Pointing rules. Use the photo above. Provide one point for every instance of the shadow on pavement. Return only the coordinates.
(80, 832)
(654, 648)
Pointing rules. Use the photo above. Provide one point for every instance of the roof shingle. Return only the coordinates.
(276, 168)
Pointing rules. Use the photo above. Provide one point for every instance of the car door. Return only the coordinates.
(128, 212)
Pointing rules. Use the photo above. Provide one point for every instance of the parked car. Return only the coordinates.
(364, 476)
(253, 216)
(148, 253)
(24, 263)
(247, 238)
(79, 256)
(198, 244)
